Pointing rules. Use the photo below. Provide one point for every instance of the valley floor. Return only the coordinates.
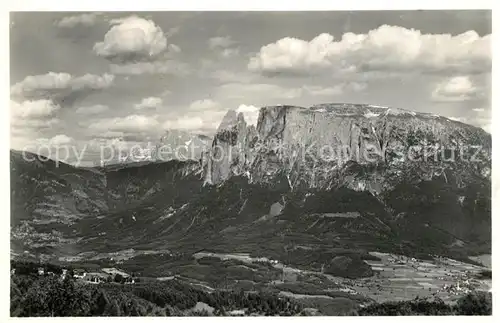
(396, 278)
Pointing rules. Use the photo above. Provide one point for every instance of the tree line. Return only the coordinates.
(52, 296)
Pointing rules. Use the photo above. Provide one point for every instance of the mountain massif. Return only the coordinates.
(311, 146)
(304, 186)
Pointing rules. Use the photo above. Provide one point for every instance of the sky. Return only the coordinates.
(98, 78)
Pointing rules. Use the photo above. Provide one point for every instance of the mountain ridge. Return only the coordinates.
(258, 202)
(282, 132)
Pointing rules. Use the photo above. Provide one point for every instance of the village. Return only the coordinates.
(105, 275)
(399, 277)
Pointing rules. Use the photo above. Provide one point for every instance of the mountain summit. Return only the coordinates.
(312, 147)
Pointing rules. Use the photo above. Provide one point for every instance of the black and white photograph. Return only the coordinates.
(250, 163)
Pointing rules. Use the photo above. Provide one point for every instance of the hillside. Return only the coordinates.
(164, 218)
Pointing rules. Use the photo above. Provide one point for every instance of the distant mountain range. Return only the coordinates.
(255, 190)
(174, 144)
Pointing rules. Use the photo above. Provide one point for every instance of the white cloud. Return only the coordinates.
(19, 125)
(185, 123)
(130, 124)
(230, 52)
(250, 112)
(156, 67)
(60, 81)
(223, 46)
(204, 105)
(60, 87)
(149, 103)
(220, 42)
(387, 48)
(59, 140)
(33, 109)
(86, 20)
(206, 123)
(201, 116)
(28, 119)
(132, 39)
(94, 109)
(455, 89)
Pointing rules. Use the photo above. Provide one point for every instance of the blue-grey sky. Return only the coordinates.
(101, 77)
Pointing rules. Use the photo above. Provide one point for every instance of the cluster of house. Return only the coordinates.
(460, 287)
(108, 275)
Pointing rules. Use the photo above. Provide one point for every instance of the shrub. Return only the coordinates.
(478, 303)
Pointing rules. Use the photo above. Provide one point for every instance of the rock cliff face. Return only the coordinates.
(228, 153)
(363, 147)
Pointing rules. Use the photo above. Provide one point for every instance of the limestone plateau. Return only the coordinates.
(321, 146)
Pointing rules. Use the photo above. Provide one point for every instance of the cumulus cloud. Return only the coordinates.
(132, 39)
(62, 88)
(205, 124)
(149, 103)
(130, 124)
(387, 48)
(250, 112)
(29, 118)
(33, 109)
(138, 46)
(85, 20)
(93, 109)
(201, 116)
(455, 89)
